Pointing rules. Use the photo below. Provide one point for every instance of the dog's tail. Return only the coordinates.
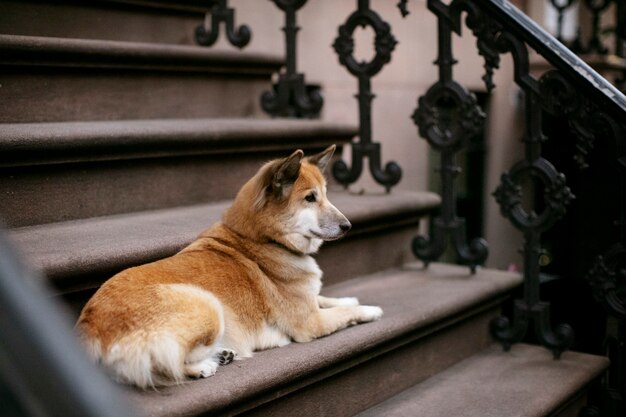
(142, 360)
(156, 353)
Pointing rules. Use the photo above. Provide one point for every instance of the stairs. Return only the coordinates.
(433, 318)
(120, 143)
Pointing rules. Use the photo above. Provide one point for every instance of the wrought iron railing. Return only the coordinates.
(447, 116)
(595, 112)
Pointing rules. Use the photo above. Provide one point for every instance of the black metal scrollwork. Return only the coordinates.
(404, 9)
(607, 278)
(608, 281)
(207, 35)
(344, 46)
(447, 117)
(486, 33)
(556, 197)
(291, 96)
(585, 119)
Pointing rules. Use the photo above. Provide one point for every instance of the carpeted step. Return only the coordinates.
(525, 382)
(433, 319)
(60, 79)
(80, 254)
(53, 172)
(158, 21)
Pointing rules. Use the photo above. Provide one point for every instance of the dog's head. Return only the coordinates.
(286, 202)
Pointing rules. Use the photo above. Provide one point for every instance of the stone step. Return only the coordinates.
(48, 79)
(80, 255)
(51, 172)
(158, 21)
(525, 382)
(433, 319)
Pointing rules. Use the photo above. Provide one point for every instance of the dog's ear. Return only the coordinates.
(323, 158)
(276, 178)
(286, 174)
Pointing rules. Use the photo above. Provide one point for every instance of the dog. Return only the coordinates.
(247, 283)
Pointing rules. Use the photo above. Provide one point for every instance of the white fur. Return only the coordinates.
(133, 359)
(370, 313)
(270, 337)
(326, 302)
(302, 243)
(244, 343)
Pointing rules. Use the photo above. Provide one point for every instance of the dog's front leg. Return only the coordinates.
(328, 320)
(327, 302)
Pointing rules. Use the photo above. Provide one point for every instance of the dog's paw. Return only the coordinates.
(370, 313)
(203, 369)
(226, 356)
(347, 301)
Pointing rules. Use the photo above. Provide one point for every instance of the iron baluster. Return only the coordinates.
(206, 35)
(403, 7)
(448, 134)
(597, 7)
(561, 6)
(556, 196)
(445, 131)
(607, 278)
(620, 29)
(364, 71)
(608, 281)
(291, 97)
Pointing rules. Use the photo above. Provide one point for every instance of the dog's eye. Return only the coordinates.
(311, 198)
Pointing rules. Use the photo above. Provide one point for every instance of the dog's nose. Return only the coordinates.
(345, 226)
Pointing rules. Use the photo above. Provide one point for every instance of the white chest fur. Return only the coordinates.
(310, 271)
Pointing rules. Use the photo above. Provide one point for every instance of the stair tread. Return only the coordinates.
(524, 382)
(60, 142)
(52, 51)
(108, 243)
(412, 298)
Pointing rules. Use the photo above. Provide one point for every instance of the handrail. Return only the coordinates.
(40, 359)
(563, 59)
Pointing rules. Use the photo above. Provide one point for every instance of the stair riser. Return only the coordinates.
(98, 20)
(350, 391)
(52, 193)
(367, 251)
(53, 95)
(573, 407)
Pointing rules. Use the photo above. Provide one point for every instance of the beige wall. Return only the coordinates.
(397, 88)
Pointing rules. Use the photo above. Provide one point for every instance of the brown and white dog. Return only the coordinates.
(247, 283)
